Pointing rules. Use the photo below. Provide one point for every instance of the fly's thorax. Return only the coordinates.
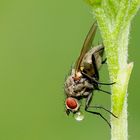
(71, 82)
(78, 89)
(74, 88)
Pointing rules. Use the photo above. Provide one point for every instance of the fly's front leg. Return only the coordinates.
(95, 81)
(87, 105)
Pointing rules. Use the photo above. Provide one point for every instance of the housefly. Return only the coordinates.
(84, 78)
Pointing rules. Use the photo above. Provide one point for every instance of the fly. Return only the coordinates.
(84, 78)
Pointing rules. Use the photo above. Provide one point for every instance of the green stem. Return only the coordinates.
(114, 20)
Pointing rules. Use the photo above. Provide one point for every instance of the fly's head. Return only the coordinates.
(71, 103)
(74, 85)
(74, 88)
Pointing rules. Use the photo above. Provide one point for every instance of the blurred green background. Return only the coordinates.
(39, 41)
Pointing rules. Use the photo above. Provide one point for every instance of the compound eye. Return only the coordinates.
(71, 103)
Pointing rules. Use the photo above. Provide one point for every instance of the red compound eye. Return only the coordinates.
(71, 103)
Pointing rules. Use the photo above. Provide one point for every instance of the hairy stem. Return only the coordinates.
(114, 20)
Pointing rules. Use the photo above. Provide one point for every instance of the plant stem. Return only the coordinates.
(114, 20)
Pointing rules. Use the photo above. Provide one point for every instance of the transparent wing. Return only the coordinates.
(86, 46)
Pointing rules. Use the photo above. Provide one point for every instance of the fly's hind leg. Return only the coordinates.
(100, 107)
(87, 106)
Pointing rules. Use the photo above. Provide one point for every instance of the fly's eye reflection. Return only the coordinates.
(71, 103)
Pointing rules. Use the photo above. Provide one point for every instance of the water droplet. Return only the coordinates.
(79, 116)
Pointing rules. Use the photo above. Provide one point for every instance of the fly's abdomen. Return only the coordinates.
(87, 64)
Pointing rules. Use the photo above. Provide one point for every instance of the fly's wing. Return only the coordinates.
(86, 46)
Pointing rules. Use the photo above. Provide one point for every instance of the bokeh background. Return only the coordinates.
(39, 42)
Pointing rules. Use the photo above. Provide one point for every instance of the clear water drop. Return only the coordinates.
(79, 116)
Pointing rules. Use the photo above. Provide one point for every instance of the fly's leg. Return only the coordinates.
(100, 107)
(104, 61)
(103, 91)
(99, 114)
(95, 81)
(88, 101)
